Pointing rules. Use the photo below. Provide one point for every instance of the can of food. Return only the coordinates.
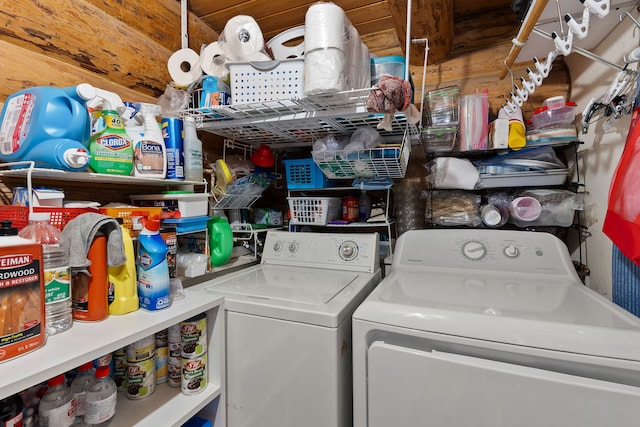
(120, 369)
(141, 378)
(162, 368)
(174, 374)
(142, 349)
(350, 208)
(162, 338)
(194, 374)
(193, 336)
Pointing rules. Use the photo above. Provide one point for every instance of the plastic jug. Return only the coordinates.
(48, 125)
(220, 240)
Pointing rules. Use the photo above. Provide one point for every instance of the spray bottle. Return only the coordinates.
(150, 152)
(48, 125)
(110, 146)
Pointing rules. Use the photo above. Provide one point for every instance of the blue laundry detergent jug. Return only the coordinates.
(47, 125)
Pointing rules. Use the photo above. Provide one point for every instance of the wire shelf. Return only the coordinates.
(234, 201)
(389, 161)
(295, 121)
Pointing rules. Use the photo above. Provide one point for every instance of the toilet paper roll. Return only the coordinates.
(324, 71)
(243, 37)
(325, 26)
(213, 61)
(184, 67)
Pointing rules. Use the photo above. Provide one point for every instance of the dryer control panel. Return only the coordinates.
(488, 250)
(354, 252)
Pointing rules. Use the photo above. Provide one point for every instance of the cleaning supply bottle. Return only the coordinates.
(79, 387)
(110, 146)
(57, 275)
(57, 408)
(150, 155)
(364, 206)
(48, 125)
(220, 240)
(192, 147)
(154, 287)
(123, 289)
(101, 398)
(90, 291)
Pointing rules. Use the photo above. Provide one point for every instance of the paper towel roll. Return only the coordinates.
(325, 26)
(324, 71)
(243, 37)
(213, 61)
(184, 67)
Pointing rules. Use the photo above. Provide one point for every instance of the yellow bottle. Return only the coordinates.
(123, 288)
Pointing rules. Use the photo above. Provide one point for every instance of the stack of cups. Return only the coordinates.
(162, 356)
(141, 368)
(174, 360)
(193, 337)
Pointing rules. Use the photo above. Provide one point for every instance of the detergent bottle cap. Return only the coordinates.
(152, 223)
(86, 91)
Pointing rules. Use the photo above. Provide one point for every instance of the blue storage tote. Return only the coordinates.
(304, 174)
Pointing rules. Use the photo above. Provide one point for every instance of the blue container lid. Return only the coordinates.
(387, 59)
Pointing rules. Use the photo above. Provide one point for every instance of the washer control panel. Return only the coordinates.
(356, 252)
(489, 250)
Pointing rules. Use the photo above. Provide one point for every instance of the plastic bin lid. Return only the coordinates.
(553, 107)
(385, 59)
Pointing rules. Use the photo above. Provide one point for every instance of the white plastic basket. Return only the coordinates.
(314, 210)
(262, 81)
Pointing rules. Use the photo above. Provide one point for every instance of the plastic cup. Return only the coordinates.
(525, 209)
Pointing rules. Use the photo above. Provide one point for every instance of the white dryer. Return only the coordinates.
(492, 328)
(288, 322)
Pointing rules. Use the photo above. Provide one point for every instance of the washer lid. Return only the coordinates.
(310, 295)
(542, 312)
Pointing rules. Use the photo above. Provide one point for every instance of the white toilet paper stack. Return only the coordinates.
(335, 57)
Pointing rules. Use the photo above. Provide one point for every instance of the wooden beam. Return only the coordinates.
(434, 22)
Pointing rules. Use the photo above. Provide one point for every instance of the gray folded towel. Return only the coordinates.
(80, 232)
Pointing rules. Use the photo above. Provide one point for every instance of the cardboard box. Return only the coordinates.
(49, 197)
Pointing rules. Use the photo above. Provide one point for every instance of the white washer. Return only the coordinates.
(492, 328)
(289, 358)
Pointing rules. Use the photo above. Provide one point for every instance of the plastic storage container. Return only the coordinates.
(442, 107)
(439, 138)
(304, 174)
(392, 65)
(315, 210)
(554, 112)
(189, 204)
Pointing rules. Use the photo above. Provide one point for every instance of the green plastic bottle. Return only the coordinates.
(110, 146)
(220, 240)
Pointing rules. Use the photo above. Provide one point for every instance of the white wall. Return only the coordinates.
(602, 149)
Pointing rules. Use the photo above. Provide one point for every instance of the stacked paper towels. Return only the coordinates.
(335, 58)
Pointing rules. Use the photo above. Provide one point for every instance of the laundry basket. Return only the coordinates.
(262, 81)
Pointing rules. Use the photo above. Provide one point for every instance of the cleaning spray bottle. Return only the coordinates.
(110, 146)
(123, 289)
(48, 125)
(154, 287)
(150, 152)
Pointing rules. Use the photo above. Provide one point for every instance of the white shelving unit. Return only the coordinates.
(86, 341)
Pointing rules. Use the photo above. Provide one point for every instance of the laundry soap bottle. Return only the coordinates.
(47, 125)
(110, 146)
(123, 288)
(150, 153)
(220, 240)
(154, 288)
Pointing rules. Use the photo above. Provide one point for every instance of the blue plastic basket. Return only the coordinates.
(304, 174)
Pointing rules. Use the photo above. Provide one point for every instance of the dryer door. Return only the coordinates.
(408, 387)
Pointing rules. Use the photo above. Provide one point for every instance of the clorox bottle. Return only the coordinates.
(154, 288)
(110, 147)
(48, 125)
